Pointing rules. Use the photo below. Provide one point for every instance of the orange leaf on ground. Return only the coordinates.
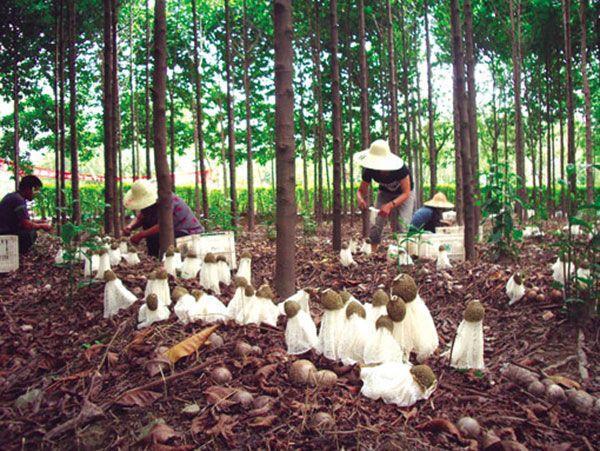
(189, 345)
(565, 381)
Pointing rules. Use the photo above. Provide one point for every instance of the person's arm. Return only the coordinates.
(134, 224)
(362, 194)
(135, 239)
(28, 224)
(386, 209)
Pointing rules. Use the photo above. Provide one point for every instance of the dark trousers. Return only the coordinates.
(153, 245)
(26, 240)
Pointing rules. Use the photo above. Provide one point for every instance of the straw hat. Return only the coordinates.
(379, 157)
(141, 195)
(439, 200)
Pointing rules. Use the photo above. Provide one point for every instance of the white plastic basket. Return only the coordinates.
(427, 246)
(9, 253)
(219, 243)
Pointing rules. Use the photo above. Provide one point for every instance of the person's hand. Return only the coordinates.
(362, 204)
(135, 239)
(127, 230)
(386, 209)
(46, 227)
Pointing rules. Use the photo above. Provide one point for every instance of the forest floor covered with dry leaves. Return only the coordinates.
(100, 383)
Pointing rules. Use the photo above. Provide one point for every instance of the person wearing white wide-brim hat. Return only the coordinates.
(143, 197)
(396, 197)
(429, 216)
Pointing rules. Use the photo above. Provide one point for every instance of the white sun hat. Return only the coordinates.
(379, 157)
(141, 195)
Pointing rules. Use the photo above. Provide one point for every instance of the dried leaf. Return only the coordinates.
(223, 427)
(266, 371)
(190, 344)
(140, 398)
(162, 433)
(220, 396)
(565, 381)
(440, 425)
(261, 422)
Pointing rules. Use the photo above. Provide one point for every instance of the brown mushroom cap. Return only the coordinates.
(442, 248)
(152, 275)
(405, 287)
(102, 251)
(210, 258)
(179, 292)
(170, 251)
(354, 308)
(191, 254)
(345, 296)
(368, 240)
(114, 246)
(246, 254)
(518, 279)
(291, 308)
(385, 321)
(330, 300)
(474, 312)
(162, 274)
(221, 258)
(396, 309)
(152, 302)
(264, 291)
(109, 276)
(249, 290)
(423, 376)
(380, 298)
(344, 245)
(197, 294)
(239, 281)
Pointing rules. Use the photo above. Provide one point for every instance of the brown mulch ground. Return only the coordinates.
(53, 338)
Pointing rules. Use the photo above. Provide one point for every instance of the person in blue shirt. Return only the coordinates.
(429, 216)
(14, 217)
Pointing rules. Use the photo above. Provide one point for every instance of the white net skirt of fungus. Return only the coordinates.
(420, 326)
(353, 340)
(161, 289)
(300, 334)
(353, 246)
(170, 265)
(560, 269)
(373, 313)
(116, 297)
(404, 259)
(190, 268)
(90, 265)
(301, 297)
(346, 258)
(115, 256)
(58, 258)
(443, 262)
(149, 289)
(236, 304)
(103, 266)
(224, 272)
(393, 383)
(209, 309)
(123, 247)
(332, 324)
(514, 291)
(268, 312)
(250, 312)
(403, 336)
(148, 317)
(209, 277)
(467, 351)
(245, 269)
(183, 306)
(382, 348)
(132, 258)
(365, 248)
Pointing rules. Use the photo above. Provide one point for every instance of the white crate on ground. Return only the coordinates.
(453, 230)
(219, 243)
(427, 246)
(9, 253)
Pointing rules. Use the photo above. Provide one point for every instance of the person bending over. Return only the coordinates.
(429, 216)
(14, 216)
(143, 197)
(396, 197)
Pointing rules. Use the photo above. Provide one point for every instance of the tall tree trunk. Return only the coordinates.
(460, 211)
(56, 121)
(406, 88)
(285, 262)
(419, 141)
(76, 212)
(319, 131)
(472, 108)
(230, 121)
(363, 77)
(393, 87)
(496, 128)
(197, 197)
(199, 115)
(515, 21)
(222, 135)
(304, 157)
(249, 163)
(17, 138)
(135, 163)
(571, 175)
(336, 127)
(159, 85)
(147, 93)
(589, 157)
(61, 97)
(549, 205)
(172, 132)
(117, 125)
(563, 199)
(109, 169)
(430, 130)
(463, 113)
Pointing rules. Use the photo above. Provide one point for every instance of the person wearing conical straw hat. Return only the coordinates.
(396, 198)
(429, 216)
(142, 197)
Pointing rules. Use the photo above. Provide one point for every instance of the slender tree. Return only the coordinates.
(109, 169)
(319, 127)
(285, 264)
(393, 86)
(17, 137)
(249, 164)
(461, 103)
(116, 136)
(230, 121)
(76, 210)
(147, 93)
(61, 106)
(135, 164)
(589, 157)
(430, 129)
(571, 175)
(337, 128)
(159, 119)
(363, 77)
